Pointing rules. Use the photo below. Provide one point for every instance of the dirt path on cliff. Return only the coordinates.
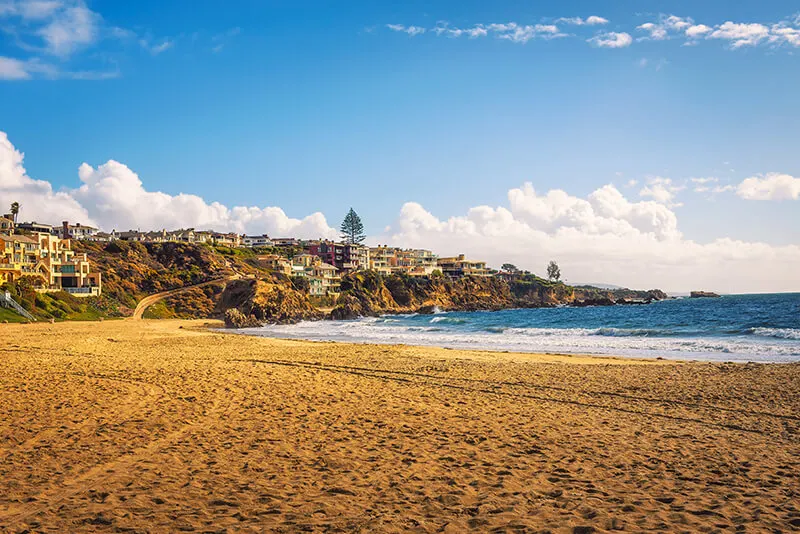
(152, 299)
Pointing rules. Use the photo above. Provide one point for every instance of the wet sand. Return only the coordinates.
(164, 426)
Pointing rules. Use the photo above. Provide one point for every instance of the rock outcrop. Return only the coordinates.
(703, 295)
(369, 294)
(265, 301)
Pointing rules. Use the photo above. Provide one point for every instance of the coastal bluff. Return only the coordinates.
(369, 294)
(201, 281)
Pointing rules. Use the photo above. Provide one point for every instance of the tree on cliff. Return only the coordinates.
(352, 228)
(553, 272)
(509, 268)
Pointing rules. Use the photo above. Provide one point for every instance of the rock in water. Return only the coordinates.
(703, 294)
(236, 319)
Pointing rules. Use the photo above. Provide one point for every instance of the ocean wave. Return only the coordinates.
(495, 329)
(780, 333)
(605, 332)
(448, 320)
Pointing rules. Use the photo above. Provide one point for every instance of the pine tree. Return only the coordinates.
(553, 272)
(352, 228)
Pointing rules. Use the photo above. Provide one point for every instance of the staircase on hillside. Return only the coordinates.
(7, 302)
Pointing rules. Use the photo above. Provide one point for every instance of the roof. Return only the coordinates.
(19, 239)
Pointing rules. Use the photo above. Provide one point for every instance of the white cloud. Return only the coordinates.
(510, 31)
(53, 33)
(69, 29)
(410, 30)
(737, 34)
(667, 24)
(605, 235)
(38, 200)
(611, 40)
(698, 30)
(784, 34)
(665, 27)
(662, 190)
(710, 185)
(522, 34)
(113, 197)
(163, 46)
(592, 20)
(772, 186)
(30, 9)
(13, 69)
(741, 34)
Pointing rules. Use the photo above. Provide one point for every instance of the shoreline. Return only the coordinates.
(634, 354)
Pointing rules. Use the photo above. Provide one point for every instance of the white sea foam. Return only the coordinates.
(610, 341)
(780, 333)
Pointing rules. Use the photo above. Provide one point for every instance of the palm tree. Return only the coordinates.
(15, 210)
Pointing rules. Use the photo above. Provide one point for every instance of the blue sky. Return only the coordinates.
(317, 106)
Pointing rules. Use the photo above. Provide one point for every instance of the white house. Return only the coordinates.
(257, 241)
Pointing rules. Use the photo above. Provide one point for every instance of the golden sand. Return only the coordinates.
(124, 426)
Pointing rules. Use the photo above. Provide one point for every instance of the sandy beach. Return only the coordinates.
(156, 426)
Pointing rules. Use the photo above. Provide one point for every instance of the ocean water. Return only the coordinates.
(758, 328)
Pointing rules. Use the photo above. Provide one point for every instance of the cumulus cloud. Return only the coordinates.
(611, 40)
(784, 33)
(666, 24)
(698, 30)
(40, 201)
(112, 196)
(736, 34)
(772, 186)
(741, 34)
(662, 190)
(602, 237)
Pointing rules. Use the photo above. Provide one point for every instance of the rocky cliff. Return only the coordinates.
(368, 293)
(255, 302)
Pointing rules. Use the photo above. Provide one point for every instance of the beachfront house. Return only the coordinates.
(19, 256)
(285, 242)
(34, 227)
(76, 231)
(322, 277)
(458, 266)
(50, 262)
(256, 241)
(343, 256)
(275, 263)
(7, 223)
(413, 262)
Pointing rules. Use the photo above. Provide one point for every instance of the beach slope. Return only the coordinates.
(166, 426)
